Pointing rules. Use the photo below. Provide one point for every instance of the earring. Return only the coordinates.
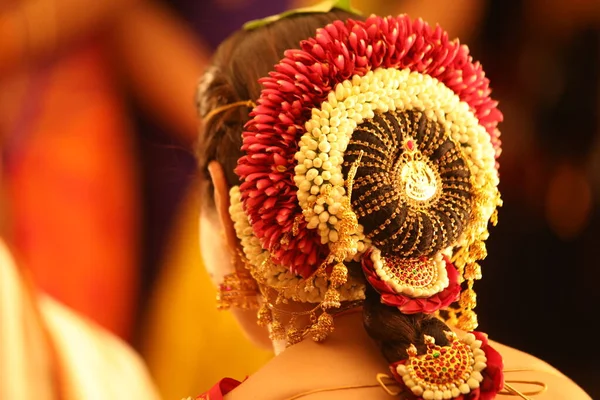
(238, 288)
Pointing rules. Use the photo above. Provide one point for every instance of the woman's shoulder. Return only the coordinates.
(518, 359)
(520, 367)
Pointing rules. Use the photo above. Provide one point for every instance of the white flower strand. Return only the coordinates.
(277, 276)
(328, 133)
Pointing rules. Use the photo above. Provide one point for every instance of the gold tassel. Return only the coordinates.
(468, 320)
(477, 251)
(293, 336)
(332, 299)
(264, 315)
(468, 299)
(277, 331)
(322, 328)
(339, 275)
(473, 271)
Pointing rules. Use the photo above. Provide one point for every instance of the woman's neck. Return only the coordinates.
(347, 357)
(349, 334)
(347, 325)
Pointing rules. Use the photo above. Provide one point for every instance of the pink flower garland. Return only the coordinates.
(302, 80)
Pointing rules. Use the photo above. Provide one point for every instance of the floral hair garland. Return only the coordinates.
(310, 182)
(294, 144)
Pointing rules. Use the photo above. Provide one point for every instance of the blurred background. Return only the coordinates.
(98, 191)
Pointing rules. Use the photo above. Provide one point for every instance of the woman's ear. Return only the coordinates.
(221, 198)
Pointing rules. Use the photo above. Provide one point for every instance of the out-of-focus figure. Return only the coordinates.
(73, 204)
(47, 352)
(88, 191)
(69, 178)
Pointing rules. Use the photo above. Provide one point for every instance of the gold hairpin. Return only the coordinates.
(512, 391)
(218, 110)
(389, 384)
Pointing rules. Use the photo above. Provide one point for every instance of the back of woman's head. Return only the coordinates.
(365, 172)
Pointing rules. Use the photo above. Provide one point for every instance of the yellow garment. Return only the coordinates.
(188, 344)
(47, 352)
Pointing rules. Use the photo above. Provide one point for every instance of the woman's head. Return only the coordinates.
(366, 170)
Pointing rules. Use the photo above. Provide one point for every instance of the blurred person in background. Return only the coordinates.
(48, 352)
(69, 176)
(71, 202)
(80, 177)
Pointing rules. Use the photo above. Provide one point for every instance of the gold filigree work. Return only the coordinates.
(421, 211)
(418, 178)
(444, 371)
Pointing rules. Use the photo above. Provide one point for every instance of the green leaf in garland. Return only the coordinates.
(322, 7)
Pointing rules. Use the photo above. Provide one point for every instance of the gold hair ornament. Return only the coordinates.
(211, 114)
(237, 291)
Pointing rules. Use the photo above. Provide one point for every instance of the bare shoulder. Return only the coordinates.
(522, 366)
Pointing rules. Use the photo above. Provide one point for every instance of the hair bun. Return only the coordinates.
(412, 189)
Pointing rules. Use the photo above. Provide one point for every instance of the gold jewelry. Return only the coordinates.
(320, 326)
(455, 368)
(218, 110)
(512, 391)
(321, 316)
(238, 289)
(391, 386)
